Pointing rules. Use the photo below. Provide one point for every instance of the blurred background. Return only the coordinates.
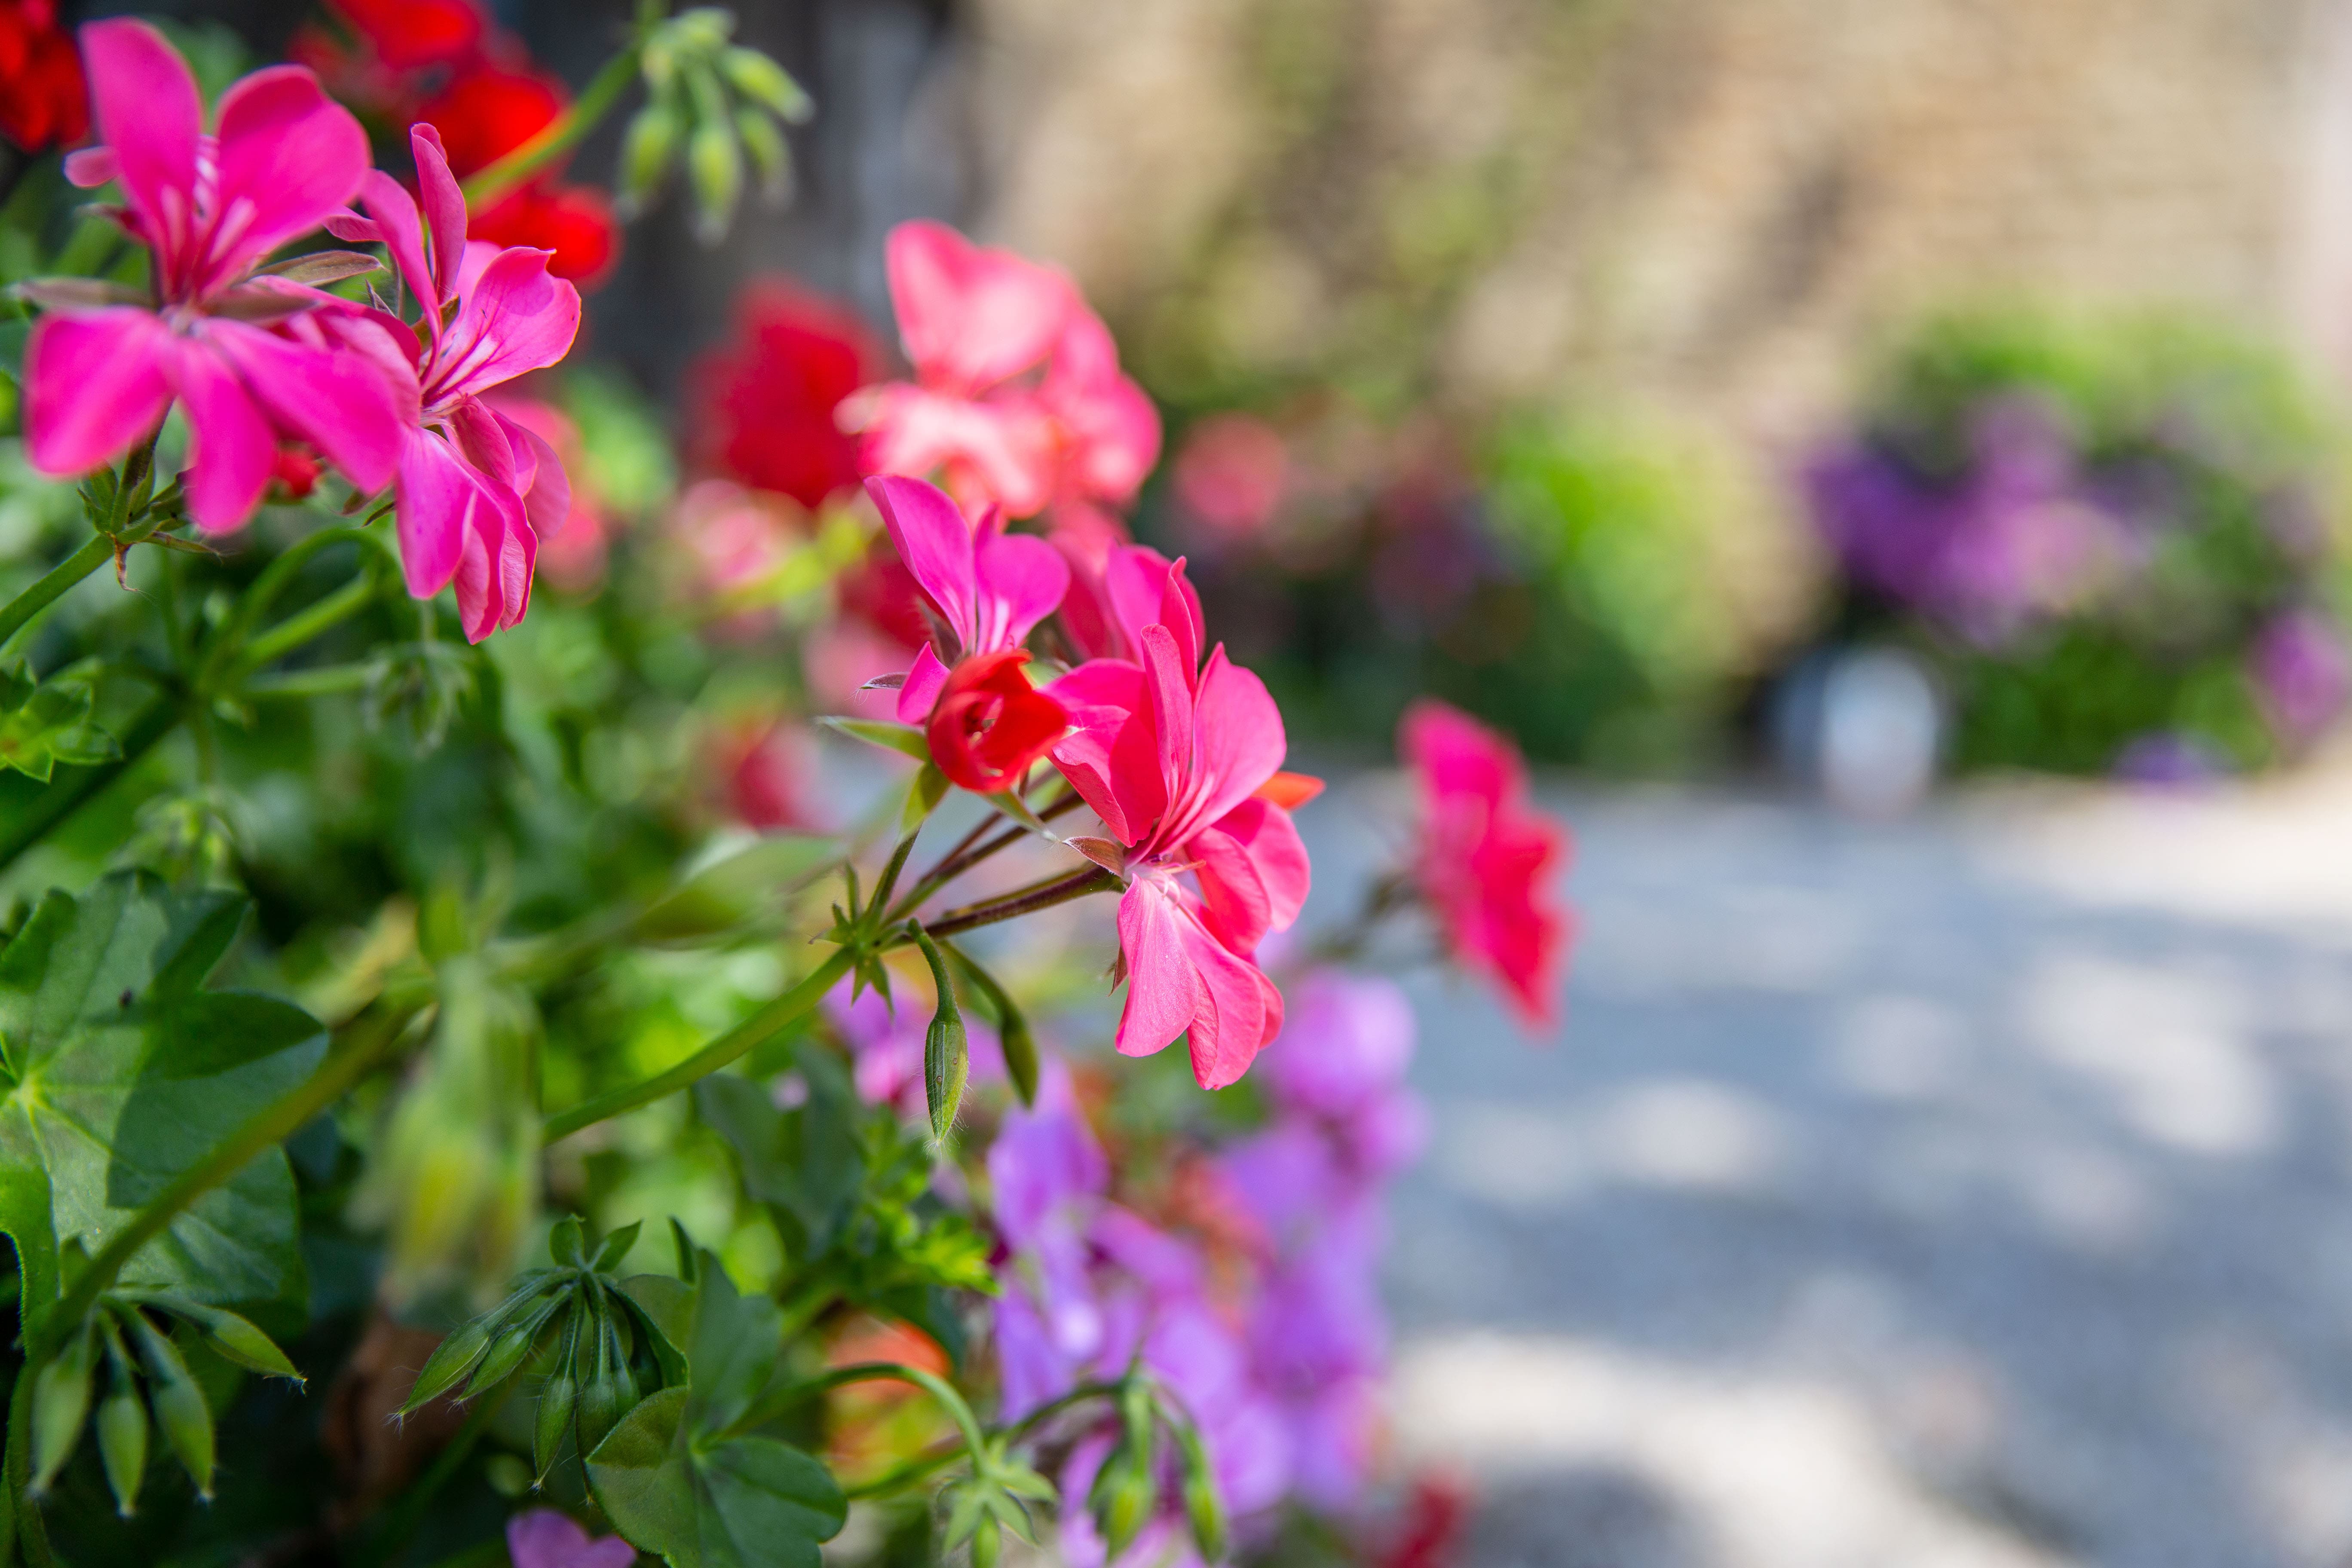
(1888, 460)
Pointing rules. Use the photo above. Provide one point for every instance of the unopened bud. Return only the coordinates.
(767, 84)
(646, 151)
(60, 1406)
(180, 1407)
(771, 159)
(122, 1440)
(714, 161)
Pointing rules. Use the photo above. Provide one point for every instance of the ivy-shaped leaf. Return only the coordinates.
(679, 1483)
(118, 1072)
(43, 723)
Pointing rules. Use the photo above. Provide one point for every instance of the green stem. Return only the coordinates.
(735, 1042)
(95, 552)
(902, 1476)
(560, 134)
(305, 624)
(1026, 901)
(264, 593)
(69, 787)
(1044, 1413)
(964, 856)
(359, 1053)
(329, 681)
(31, 1533)
(975, 1440)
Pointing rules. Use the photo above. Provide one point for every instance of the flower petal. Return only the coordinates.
(933, 540)
(920, 694)
(233, 449)
(342, 404)
(438, 492)
(1108, 756)
(972, 317)
(1241, 1012)
(93, 384)
(1022, 580)
(398, 226)
(1163, 991)
(1253, 873)
(149, 116)
(513, 318)
(1241, 742)
(444, 205)
(289, 156)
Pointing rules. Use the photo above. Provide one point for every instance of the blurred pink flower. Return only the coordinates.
(100, 375)
(543, 1538)
(1231, 474)
(1487, 856)
(1172, 762)
(1017, 398)
(2302, 674)
(767, 769)
(734, 539)
(478, 489)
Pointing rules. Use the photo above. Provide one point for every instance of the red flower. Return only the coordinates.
(1487, 856)
(43, 101)
(990, 724)
(767, 770)
(408, 34)
(574, 221)
(487, 113)
(294, 472)
(766, 403)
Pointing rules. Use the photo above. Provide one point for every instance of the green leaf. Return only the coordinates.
(924, 792)
(731, 1354)
(731, 893)
(120, 1073)
(806, 1160)
(743, 1502)
(904, 739)
(48, 722)
(25, 1220)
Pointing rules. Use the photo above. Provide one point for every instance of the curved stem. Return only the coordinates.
(265, 591)
(734, 1043)
(964, 856)
(899, 1477)
(272, 1125)
(560, 134)
(1044, 1413)
(1027, 901)
(975, 1440)
(51, 586)
(305, 624)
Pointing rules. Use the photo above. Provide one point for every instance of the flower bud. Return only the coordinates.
(770, 156)
(1122, 1499)
(767, 84)
(987, 1541)
(180, 1407)
(1203, 1510)
(947, 1053)
(234, 1339)
(714, 161)
(600, 1389)
(509, 1350)
(646, 152)
(558, 1398)
(122, 1439)
(451, 1359)
(60, 1406)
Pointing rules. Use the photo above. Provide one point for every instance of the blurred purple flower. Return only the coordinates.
(546, 1539)
(2013, 536)
(2302, 674)
(2170, 760)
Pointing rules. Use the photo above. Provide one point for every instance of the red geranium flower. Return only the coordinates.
(1487, 856)
(486, 114)
(408, 34)
(990, 724)
(574, 221)
(767, 403)
(43, 101)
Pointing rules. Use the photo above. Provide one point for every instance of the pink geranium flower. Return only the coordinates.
(1174, 762)
(212, 335)
(543, 1538)
(478, 488)
(1017, 398)
(987, 590)
(1487, 856)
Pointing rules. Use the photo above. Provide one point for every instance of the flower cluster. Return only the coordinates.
(1017, 398)
(260, 360)
(43, 103)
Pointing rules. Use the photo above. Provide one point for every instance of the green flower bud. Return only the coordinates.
(646, 149)
(566, 1243)
(180, 1407)
(1203, 1508)
(714, 160)
(451, 1359)
(987, 1542)
(947, 1053)
(767, 84)
(508, 1350)
(1122, 1500)
(122, 1441)
(60, 1406)
(558, 1397)
(770, 156)
(234, 1338)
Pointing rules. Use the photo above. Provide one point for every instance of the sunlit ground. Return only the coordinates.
(1971, 1190)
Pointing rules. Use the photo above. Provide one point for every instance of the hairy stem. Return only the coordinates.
(51, 586)
(30, 1537)
(1027, 901)
(560, 134)
(761, 1026)
(365, 1044)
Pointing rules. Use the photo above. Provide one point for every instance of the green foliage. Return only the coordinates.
(45, 723)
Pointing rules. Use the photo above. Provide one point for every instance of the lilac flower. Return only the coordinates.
(2014, 536)
(2302, 674)
(546, 1539)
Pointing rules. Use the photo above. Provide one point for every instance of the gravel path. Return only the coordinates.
(1971, 1190)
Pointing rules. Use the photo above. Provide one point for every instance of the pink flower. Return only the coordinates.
(988, 588)
(766, 769)
(1232, 475)
(546, 1539)
(1134, 586)
(1017, 398)
(478, 488)
(210, 208)
(574, 557)
(1487, 856)
(1173, 763)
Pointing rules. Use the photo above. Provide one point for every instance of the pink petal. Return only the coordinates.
(494, 565)
(1241, 742)
(1241, 1012)
(1005, 451)
(1108, 756)
(91, 167)
(437, 493)
(1167, 683)
(444, 204)
(149, 114)
(1145, 588)
(289, 156)
(1114, 427)
(925, 680)
(933, 540)
(1163, 984)
(970, 317)
(399, 227)
(93, 384)
(546, 488)
(1022, 581)
(543, 1538)
(233, 448)
(1253, 873)
(342, 404)
(513, 318)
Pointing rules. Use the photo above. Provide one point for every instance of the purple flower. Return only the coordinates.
(2302, 674)
(1350, 1043)
(546, 1539)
